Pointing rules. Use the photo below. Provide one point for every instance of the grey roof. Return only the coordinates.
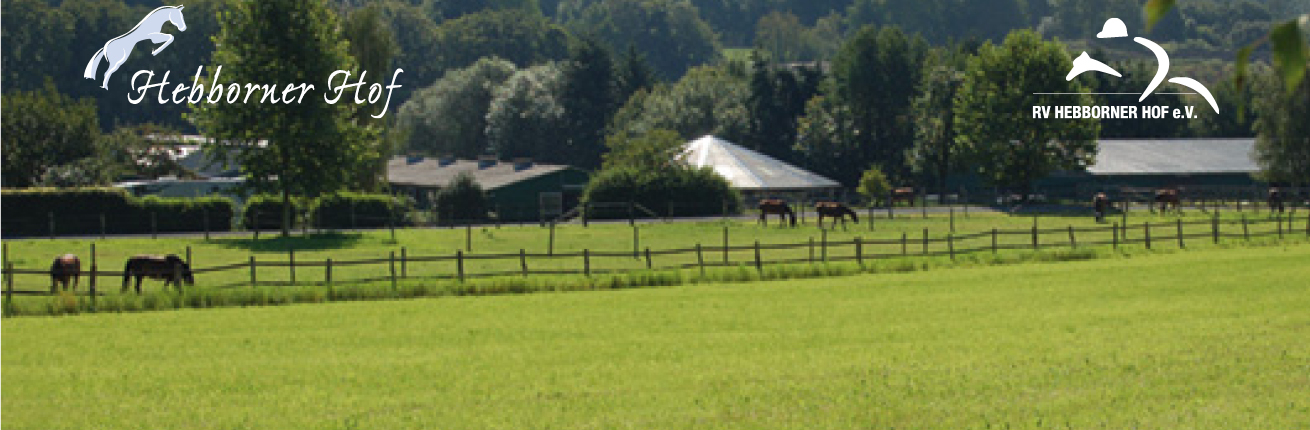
(749, 170)
(430, 172)
(1174, 156)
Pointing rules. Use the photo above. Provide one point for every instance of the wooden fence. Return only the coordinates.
(400, 265)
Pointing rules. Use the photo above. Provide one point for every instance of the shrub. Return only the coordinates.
(696, 192)
(264, 212)
(462, 201)
(358, 210)
(29, 212)
(874, 184)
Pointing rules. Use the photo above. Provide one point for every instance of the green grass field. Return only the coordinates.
(1200, 339)
(611, 246)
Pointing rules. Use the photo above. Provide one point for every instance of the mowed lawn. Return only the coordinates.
(1196, 340)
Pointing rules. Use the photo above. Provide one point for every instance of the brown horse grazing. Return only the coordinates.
(776, 206)
(836, 211)
(1100, 204)
(905, 194)
(170, 268)
(1276, 200)
(1167, 197)
(66, 267)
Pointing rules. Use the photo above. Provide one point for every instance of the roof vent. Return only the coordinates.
(446, 160)
(522, 163)
(413, 159)
(486, 161)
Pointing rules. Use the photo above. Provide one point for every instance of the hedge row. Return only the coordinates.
(45, 211)
(702, 191)
(338, 211)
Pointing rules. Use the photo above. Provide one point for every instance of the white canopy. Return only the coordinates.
(749, 170)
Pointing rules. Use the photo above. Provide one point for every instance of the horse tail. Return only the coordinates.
(94, 64)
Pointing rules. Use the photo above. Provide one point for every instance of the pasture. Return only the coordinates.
(616, 255)
(1202, 339)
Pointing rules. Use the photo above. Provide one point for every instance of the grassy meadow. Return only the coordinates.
(611, 260)
(1202, 339)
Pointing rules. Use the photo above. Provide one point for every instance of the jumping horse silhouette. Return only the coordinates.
(151, 27)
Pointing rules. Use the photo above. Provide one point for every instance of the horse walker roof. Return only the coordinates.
(748, 170)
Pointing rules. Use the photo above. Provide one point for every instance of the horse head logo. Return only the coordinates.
(151, 27)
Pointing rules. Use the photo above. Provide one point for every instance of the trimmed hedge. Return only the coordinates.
(264, 212)
(358, 210)
(30, 212)
(695, 192)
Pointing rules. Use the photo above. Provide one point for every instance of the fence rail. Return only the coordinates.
(402, 265)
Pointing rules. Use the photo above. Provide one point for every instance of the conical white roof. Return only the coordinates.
(749, 170)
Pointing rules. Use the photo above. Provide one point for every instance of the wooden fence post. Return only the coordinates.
(823, 245)
(950, 244)
(905, 243)
(523, 261)
(391, 258)
(1114, 230)
(1307, 225)
(1073, 242)
(759, 265)
(94, 267)
(1147, 228)
(404, 263)
(1278, 219)
(291, 264)
(925, 241)
(9, 286)
(468, 237)
(1246, 231)
(550, 245)
(1214, 227)
(700, 259)
(725, 244)
(952, 208)
(1181, 245)
(636, 242)
(327, 272)
(459, 264)
(252, 270)
(649, 265)
(586, 262)
(993, 241)
(859, 252)
(188, 256)
(1035, 245)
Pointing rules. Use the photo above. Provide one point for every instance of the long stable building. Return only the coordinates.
(518, 191)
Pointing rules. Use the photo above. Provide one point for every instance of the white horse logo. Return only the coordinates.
(117, 49)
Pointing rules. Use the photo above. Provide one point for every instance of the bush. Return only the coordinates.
(29, 212)
(874, 184)
(264, 212)
(358, 210)
(462, 201)
(694, 192)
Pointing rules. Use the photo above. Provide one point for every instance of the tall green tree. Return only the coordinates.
(994, 112)
(708, 100)
(526, 118)
(519, 36)
(589, 97)
(450, 117)
(1282, 146)
(302, 149)
(935, 148)
(875, 74)
(670, 32)
(43, 130)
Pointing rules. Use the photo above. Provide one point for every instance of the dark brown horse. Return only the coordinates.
(904, 194)
(776, 206)
(1167, 197)
(170, 268)
(65, 268)
(1276, 200)
(836, 211)
(1100, 204)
